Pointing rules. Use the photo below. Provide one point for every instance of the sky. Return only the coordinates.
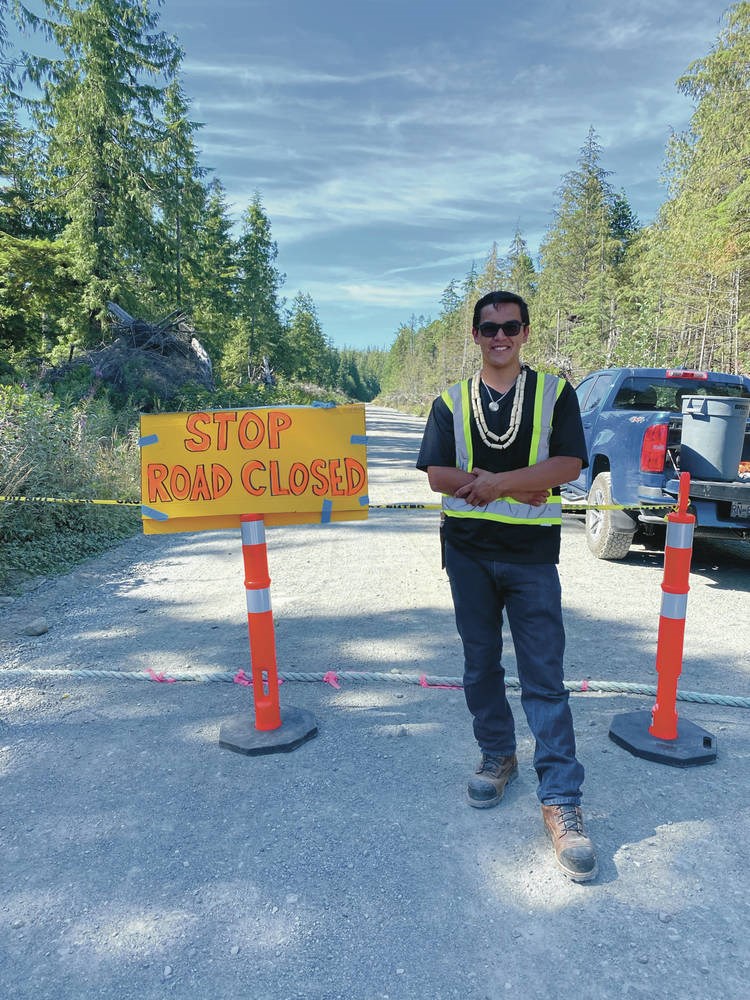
(393, 141)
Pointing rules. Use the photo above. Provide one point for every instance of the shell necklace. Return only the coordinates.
(489, 438)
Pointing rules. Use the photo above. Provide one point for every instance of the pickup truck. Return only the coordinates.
(633, 419)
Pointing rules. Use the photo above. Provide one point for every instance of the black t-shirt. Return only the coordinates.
(520, 543)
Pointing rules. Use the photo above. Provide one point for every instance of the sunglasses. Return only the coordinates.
(511, 328)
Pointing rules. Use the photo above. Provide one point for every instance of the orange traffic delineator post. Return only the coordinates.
(274, 730)
(260, 624)
(665, 740)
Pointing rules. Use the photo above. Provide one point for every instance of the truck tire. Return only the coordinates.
(603, 538)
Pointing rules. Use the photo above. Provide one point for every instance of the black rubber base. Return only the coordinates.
(692, 746)
(239, 733)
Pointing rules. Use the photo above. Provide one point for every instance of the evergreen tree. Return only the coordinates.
(215, 273)
(450, 342)
(312, 358)
(22, 205)
(624, 226)
(39, 293)
(181, 204)
(258, 327)
(450, 300)
(404, 377)
(98, 115)
(578, 285)
(370, 365)
(347, 377)
(7, 65)
(521, 274)
(464, 361)
(494, 275)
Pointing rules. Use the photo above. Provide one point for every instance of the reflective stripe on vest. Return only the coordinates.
(506, 509)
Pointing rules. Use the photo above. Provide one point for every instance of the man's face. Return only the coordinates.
(501, 352)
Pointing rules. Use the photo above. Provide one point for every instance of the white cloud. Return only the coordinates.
(643, 27)
(278, 75)
(402, 296)
(454, 260)
(606, 32)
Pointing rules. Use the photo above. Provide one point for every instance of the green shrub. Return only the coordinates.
(48, 451)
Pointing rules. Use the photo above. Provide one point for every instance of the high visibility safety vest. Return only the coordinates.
(505, 509)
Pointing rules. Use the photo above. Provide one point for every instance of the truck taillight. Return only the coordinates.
(654, 448)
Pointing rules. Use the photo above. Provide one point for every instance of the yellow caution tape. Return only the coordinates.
(117, 503)
(567, 508)
(404, 506)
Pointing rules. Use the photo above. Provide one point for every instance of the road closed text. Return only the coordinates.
(332, 477)
(292, 465)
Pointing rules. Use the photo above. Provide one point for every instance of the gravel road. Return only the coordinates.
(143, 861)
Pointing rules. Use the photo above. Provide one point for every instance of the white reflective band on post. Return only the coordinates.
(679, 536)
(258, 601)
(253, 532)
(673, 605)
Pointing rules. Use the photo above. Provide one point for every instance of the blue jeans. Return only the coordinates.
(530, 595)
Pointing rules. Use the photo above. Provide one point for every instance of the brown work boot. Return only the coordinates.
(573, 849)
(487, 786)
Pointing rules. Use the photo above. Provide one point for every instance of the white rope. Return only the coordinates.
(366, 677)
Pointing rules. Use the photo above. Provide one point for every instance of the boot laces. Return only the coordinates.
(492, 765)
(570, 818)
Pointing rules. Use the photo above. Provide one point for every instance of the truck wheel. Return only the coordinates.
(604, 540)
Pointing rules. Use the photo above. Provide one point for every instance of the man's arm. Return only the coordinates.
(446, 479)
(484, 487)
(455, 482)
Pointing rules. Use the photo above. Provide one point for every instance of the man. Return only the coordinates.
(497, 446)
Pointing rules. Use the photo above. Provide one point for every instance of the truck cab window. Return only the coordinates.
(583, 390)
(599, 390)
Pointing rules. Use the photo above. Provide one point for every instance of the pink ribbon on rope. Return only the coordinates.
(241, 678)
(331, 678)
(423, 682)
(160, 677)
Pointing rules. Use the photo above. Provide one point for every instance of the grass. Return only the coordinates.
(51, 450)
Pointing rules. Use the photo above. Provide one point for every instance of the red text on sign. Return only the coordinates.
(215, 430)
